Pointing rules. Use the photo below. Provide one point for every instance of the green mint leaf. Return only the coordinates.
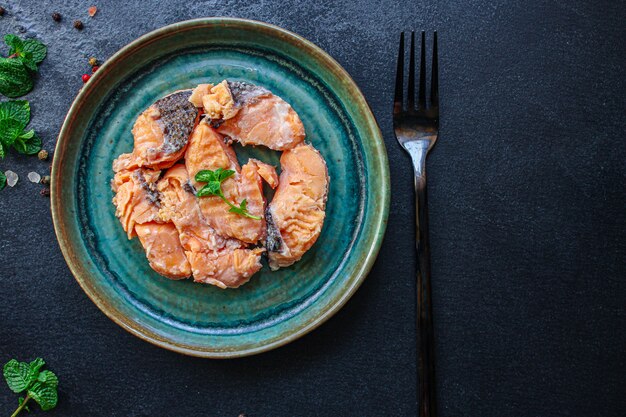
(3, 178)
(34, 367)
(27, 60)
(224, 174)
(16, 45)
(2, 151)
(49, 378)
(10, 130)
(203, 192)
(218, 175)
(211, 188)
(205, 176)
(17, 375)
(37, 50)
(15, 109)
(27, 135)
(214, 188)
(15, 80)
(45, 395)
(29, 146)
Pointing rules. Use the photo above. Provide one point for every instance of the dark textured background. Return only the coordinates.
(528, 221)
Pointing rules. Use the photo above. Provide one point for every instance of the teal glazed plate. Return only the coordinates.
(274, 308)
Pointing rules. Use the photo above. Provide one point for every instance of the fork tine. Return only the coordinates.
(434, 82)
(398, 97)
(422, 92)
(411, 92)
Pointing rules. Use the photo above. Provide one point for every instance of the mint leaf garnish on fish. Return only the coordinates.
(213, 187)
(40, 386)
(16, 70)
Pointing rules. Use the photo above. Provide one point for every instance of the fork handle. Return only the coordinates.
(426, 361)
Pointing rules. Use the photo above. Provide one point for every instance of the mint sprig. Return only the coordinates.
(214, 180)
(14, 117)
(15, 80)
(16, 70)
(40, 386)
(3, 180)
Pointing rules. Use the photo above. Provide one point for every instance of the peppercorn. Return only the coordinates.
(78, 24)
(45, 191)
(86, 77)
(45, 179)
(42, 155)
(56, 16)
(93, 61)
(2, 10)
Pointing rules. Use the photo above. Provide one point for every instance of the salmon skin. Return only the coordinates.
(178, 117)
(250, 114)
(296, 214)
(161, 133)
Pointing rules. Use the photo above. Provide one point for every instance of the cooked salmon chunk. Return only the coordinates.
(296, 214)
(136, 199)
(163, 249)
(161, 133)
(215, 260)
(226, 269)
(251, 115)
(208, 151)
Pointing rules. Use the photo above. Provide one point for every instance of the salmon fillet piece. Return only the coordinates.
(207, 150)
(214, 259)
(296, 214)
(251, 115)
(161, 133)
(136, 199)
(229, 269)
(163, 249)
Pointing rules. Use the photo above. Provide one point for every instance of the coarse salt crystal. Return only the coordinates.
(11, 178)
(34, 177)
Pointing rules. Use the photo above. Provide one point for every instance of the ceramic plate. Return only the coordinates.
(274, 307)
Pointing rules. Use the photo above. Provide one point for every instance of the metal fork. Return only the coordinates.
(416, 128)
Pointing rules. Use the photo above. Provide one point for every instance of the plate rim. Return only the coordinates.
(377, 228)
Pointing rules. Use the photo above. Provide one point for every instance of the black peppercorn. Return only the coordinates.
(2, 10)
(78, 24)
(45, 191)
(56, 16)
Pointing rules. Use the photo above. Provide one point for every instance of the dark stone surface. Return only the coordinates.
(528, 220)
